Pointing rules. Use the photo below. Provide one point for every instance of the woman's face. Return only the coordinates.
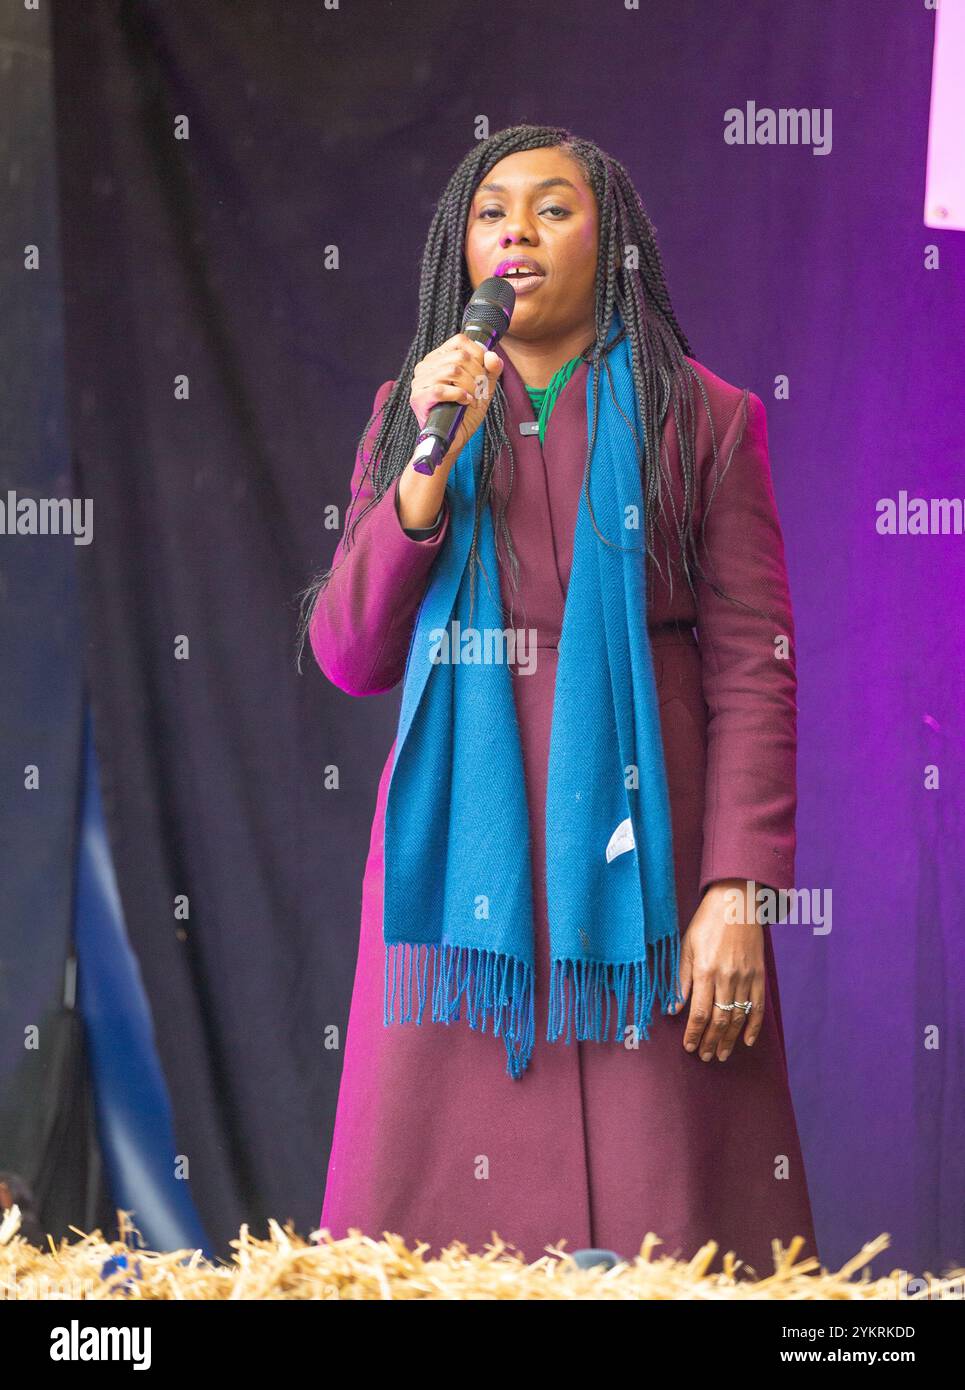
(537, 204)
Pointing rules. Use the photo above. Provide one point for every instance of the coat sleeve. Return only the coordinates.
(362, 621)
(748, 671)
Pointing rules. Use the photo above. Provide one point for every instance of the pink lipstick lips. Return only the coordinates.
(522, 272)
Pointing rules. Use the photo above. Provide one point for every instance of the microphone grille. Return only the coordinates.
(491, 305)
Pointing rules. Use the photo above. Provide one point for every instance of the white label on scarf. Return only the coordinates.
(621, 840)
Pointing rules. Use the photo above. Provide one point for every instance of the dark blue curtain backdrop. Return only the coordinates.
(48, 1138)
(204, 258)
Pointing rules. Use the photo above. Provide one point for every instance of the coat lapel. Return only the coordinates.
(548, 513)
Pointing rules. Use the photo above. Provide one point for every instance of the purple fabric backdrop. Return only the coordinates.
(313, 127)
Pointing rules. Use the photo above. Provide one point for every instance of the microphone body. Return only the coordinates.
(485, 320)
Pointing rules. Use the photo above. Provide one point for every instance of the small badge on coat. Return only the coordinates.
(621, 840)
(529, 427)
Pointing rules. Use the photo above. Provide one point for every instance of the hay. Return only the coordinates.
(287, 1267)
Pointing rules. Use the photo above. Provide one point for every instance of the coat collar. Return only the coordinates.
(570, 425)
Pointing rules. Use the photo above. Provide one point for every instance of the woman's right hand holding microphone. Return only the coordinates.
(459, 370)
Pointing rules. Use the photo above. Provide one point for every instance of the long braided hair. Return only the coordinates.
(662, 375)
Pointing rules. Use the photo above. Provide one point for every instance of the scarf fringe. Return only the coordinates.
(591, 982)
(502, 986)
(493, 983)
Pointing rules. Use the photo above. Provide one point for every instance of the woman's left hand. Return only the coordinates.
(722, 957)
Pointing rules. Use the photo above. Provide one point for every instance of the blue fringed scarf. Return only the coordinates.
(457, 880)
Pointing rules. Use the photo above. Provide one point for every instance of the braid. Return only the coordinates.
(663, 378)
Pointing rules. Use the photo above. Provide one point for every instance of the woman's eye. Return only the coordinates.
(487, 214)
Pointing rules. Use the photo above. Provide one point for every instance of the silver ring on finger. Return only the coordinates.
(724, 1006)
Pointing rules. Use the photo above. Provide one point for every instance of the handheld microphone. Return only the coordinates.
(485, 320)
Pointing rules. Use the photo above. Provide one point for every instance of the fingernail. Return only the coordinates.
(706, 1056)
(690, 1046)
(725, 1055)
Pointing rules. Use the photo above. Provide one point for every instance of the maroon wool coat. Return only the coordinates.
(596, 1144)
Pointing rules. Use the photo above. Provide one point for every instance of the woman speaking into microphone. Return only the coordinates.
(565, 1023)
